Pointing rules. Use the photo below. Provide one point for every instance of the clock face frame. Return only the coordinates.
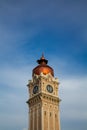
(35, 89)
(49, 88)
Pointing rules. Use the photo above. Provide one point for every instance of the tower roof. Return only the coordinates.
(43, 67)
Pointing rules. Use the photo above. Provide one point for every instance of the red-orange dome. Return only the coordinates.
(43, 67)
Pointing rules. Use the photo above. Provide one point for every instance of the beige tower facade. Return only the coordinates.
(43, 98)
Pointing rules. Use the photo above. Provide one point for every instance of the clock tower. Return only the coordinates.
(43, 98)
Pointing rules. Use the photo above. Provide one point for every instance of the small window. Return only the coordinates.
(50, 114)
(44, 112)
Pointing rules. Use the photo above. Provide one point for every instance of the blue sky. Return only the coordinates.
(59, 29)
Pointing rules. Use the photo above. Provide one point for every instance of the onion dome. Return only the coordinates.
(43, 67)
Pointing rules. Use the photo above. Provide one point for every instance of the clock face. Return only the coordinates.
(49, 88)
(35, 89)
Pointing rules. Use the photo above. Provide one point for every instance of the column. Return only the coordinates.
(42, 117)
(59, 117)
(37, 118)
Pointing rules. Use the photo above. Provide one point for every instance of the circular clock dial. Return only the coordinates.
(35, 89)
(49, 88)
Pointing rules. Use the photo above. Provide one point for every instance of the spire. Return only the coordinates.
(42, 56)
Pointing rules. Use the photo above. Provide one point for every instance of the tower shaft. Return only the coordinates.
(43, 100)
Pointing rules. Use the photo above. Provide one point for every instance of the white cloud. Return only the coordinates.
(25, 129)
(72, 91)
(74, 82)
(15, 77)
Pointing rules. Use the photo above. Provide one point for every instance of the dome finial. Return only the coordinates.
(42, 60)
